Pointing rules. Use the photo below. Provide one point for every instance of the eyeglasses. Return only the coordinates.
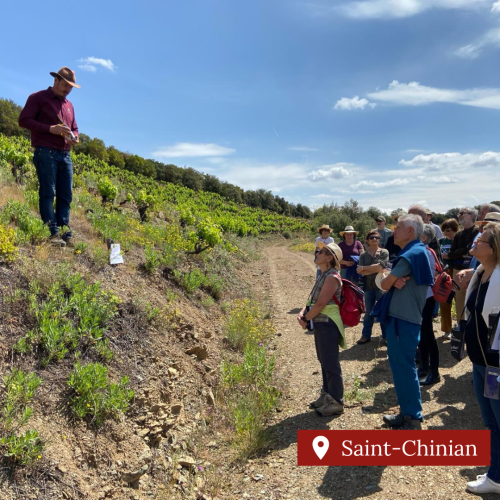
(373, 237)
(463, 213)
(379, 221)
(480, 240)
(325, 252)
(447, 229)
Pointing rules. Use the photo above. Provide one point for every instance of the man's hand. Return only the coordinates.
(350, 263)
(61, 130)
(73, 142)
(401, 282)
(463, 278)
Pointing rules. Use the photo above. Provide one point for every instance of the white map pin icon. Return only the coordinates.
(320, 446)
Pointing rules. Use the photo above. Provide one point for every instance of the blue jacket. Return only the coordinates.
(416, 254)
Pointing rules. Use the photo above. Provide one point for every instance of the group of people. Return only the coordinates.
(399, 270)
(402, 300)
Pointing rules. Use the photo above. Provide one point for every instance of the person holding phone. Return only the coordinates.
(482, 300)
(328, 328)
(50, 117)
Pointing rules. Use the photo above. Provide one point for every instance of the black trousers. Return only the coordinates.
(326, 339)
(429, 350)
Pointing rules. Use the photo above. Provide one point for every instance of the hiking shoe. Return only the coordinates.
(483, 484)
(363, 340)
(331, 407)
(56, 241)
(320, 401)
(68, 239)
(403, 422)
(383, 342)
(447, 335)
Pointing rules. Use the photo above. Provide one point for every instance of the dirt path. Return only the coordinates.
(286, 278)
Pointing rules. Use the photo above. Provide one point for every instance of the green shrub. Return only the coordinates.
(72, 313)
(19, 392)
(287, 235)
(246, 325)
(153, 259)
(309, 247)
(251, 396)
(107, 190)
(30, 228)
(94, 397)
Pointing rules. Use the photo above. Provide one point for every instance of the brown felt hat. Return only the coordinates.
(68, 75)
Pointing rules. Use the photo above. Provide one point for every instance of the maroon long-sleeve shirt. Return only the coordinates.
(42, 110)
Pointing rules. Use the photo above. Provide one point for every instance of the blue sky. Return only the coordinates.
(389, 102)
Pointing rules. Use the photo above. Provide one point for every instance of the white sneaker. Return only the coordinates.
(483, 484)
(447, 335)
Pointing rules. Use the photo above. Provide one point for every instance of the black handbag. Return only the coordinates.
(457, 341)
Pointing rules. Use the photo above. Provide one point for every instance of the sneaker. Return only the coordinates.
(331, 407)
(383, 342)
(56, 241)
(447, 335)
(320, 401)
(68, 239)
(483, 484)
(363, 340)
(403, 422)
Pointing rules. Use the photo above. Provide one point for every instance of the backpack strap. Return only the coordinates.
(439, 269)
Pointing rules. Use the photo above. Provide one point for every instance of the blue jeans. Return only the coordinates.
(371, 296)
(490, 411)
(402, 342)
(55, 176)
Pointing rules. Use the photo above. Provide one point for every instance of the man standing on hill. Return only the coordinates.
(50, 118)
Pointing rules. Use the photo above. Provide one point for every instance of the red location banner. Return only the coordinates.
(379, 447)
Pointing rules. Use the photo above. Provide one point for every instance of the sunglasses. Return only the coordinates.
(374, 237)
(446, 230)
(480, 240)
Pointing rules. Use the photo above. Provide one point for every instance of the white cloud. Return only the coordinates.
(330, 172)
(415, 94)
(454, 161)
(490, 39)
(376, 184)
(92, 63)
(387, 9)
(496, 7)
(444, 179)
(355, 102)
(189, 149)
(304, 149)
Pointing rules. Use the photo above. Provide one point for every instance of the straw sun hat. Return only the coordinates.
(490, 217)
(334, 250)
(325, 226)
(348, 229)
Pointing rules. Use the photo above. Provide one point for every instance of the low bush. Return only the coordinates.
(8, 249)
(246, 325)
(30, 228)
(309, 247)
(287, 235)
(251, 396)
(19, 449)
(94, 397)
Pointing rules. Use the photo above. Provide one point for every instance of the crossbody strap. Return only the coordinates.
(477, 324)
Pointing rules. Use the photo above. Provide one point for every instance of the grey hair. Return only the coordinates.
(414, 221)
(471, 211)
(429, 233)
(492, 207)
(419, 210)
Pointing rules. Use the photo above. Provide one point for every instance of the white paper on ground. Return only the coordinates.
(115, 257)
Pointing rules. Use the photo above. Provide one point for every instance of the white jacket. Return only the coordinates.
(491, 301)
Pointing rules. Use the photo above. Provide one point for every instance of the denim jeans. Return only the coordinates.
(490, 411)
(371, 296)
(55, 176)
(402, 342)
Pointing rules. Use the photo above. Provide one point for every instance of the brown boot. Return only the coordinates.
(331, 407)
(320, 401)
